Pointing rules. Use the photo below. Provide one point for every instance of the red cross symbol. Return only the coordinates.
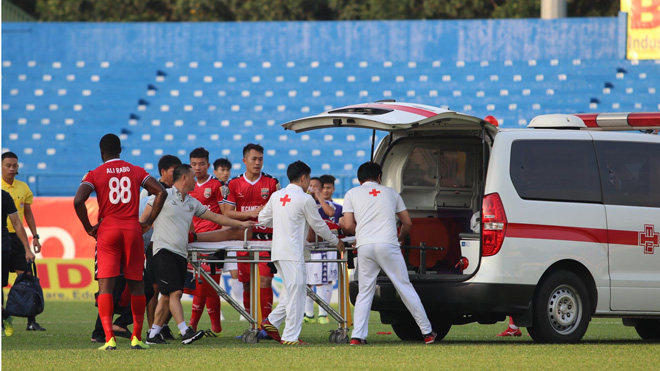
(649, 238)
(374, 192)
(285, 199)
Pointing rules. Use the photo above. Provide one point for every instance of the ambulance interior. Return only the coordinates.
(440, 180)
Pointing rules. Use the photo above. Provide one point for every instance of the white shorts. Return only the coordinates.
(230, 266)
(322, 273)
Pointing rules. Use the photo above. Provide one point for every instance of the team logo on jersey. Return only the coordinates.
(278, 186)
(225, 191)
(190, 207)
(207, 192)
(84, 177)
(264, 193)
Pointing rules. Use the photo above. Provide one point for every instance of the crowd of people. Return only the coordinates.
(142, 239)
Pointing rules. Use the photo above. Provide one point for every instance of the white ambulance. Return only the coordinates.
(571, 217)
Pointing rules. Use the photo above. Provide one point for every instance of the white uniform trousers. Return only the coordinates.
(371, 259)
(292, 303)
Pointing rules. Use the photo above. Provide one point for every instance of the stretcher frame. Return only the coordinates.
(198, 255)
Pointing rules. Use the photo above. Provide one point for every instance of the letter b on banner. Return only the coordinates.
(645, 13)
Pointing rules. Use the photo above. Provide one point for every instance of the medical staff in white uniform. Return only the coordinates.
(291, 212)
(369, 212)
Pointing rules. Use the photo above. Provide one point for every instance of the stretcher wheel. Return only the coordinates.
(333, 336)
(339, 336)
(250, 337)
(342, 337)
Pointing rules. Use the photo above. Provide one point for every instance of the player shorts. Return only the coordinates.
(265, 269)
(120, 251)
(322, 273)
(170, 271)
(16, 258)
(262, 236)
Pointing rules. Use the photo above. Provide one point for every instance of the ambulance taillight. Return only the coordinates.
(493, 223)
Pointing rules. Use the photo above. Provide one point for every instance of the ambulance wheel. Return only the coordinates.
(250, 337)
(406, 328)
(441, 326)
(561, 309)
(648, 329)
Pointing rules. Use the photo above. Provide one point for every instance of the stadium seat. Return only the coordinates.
(54, 110)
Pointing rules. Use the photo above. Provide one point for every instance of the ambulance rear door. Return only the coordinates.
(388, 116)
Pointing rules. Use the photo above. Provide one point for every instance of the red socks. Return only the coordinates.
(197, 310)
(106, 309)
(138, 305)
(246, 300)
(266, 298)
(213, 309)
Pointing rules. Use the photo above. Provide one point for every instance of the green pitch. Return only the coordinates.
(66, 346)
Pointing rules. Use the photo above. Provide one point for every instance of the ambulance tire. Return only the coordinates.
(441, 326)
(648, 329)
(406, 328)
(561, 309)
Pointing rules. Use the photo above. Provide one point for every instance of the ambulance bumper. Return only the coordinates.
(459, 298)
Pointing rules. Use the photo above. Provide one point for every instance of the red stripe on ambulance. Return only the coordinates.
(564, 233)
(397, 107)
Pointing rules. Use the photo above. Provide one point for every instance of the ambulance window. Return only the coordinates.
(630, 173)
(453, 168)
(555, 170)
(421, 168)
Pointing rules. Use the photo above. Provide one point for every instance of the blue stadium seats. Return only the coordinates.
(54, 110)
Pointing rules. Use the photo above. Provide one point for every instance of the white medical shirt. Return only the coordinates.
(290, 212)
(374, 207)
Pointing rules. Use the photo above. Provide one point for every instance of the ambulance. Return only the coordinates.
(552, 224)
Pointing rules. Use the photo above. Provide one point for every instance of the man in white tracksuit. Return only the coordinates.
(369, 212)
(290, 212)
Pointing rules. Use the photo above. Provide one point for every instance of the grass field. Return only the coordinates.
(66, 346)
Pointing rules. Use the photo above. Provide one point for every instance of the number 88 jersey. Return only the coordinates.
(117, 185)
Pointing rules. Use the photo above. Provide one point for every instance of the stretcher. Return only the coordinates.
(202, 253)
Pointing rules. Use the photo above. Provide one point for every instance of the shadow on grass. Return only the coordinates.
(521, 342)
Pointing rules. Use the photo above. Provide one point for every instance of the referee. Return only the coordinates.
(22, 195)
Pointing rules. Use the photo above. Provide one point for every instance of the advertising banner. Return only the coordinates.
(643, 41)
(65, 265)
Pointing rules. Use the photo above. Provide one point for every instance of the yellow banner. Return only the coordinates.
(643, 40)
(64, 279)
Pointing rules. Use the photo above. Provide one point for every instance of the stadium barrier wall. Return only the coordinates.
(396, 41)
